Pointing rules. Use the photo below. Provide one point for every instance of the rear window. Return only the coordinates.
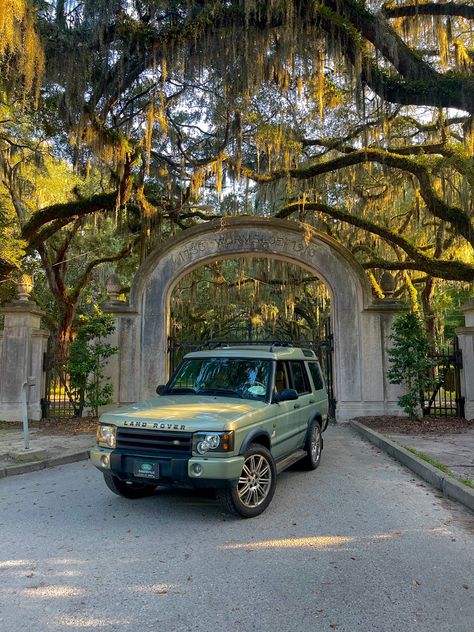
(316, 375)
(300, 379)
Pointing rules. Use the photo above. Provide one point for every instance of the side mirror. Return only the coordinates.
(287, 394)
(160, 389)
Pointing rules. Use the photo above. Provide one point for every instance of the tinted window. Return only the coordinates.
(316, 375)
(300, 382)
(281, 377)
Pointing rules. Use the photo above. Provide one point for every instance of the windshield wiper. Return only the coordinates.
(181, 391)
(220, 391)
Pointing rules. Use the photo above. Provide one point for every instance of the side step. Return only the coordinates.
(290, 460)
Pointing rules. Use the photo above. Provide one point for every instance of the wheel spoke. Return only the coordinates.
(315, 443)
(259, 465)
(246, 470)
(244, 490)
(248, 496)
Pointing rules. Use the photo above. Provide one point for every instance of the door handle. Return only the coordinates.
(312, 401)
(296, 406)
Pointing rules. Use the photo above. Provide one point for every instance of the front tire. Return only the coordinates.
(127, 490)
(255, 488)
(313, 446)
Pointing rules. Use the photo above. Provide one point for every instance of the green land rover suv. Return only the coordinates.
(229, 419)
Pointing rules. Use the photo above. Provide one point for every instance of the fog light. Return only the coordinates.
(105, 460)
(196, 468)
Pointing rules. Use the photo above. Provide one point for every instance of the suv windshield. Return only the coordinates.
(229, 377)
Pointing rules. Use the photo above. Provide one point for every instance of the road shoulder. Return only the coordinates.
(450, 486)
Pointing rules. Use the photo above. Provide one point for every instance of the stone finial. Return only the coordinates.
(24, 287)
(388, 284)
(113, 288)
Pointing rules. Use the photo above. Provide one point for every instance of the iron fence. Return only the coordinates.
(60, 398)
(445, 399)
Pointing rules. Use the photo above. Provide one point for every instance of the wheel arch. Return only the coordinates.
(257, 435)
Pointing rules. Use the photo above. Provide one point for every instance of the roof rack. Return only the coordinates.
(223, 344)
(280, 343)
(272, 345)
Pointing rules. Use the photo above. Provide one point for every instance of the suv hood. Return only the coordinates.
(187, 413)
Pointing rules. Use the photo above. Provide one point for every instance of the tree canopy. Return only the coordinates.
(353, 117)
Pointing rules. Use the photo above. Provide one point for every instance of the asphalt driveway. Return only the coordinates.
(360, 544)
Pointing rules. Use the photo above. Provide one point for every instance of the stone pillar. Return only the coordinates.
(466, 344)
(123, 368)
(380, 397)
(23, 344)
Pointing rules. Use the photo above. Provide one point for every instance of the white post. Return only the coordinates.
(466, 345)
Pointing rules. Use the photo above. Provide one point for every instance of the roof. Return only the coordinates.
(264, 351)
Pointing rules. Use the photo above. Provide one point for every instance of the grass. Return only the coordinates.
(440, 466)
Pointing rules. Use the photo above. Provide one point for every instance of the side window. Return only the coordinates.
(316, 375)
(300, 378)
(281, 376)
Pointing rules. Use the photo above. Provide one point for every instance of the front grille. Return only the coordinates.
(154, 441)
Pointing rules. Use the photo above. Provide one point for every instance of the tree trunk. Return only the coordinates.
(429, 315)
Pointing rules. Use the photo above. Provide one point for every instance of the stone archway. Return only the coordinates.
(360, 323)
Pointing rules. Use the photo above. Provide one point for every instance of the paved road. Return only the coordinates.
(357, 545)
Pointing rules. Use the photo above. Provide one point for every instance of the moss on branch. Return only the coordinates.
(456, 216)
(414, 9)
(65, 213)
(440, 268)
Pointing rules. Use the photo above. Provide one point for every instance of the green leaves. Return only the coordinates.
(410, 362)
(88, 356)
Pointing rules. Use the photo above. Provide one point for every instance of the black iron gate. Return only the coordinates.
(323, 348)
(445, 398)
(60, 399)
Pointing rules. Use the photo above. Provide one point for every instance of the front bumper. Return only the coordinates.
(179, 471)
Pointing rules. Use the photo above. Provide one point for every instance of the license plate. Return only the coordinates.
(145, 469)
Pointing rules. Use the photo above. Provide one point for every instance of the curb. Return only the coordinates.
(24, 468)
(450, 487)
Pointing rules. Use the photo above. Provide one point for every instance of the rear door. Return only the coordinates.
(302, 407)
(282, 438)
(319, 389)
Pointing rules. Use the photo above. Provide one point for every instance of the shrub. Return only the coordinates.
(410, 362)
(88, 356)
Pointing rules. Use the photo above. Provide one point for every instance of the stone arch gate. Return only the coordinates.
(360, 323)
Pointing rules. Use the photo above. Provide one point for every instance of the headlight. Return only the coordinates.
(204, 442)
(107, 436)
